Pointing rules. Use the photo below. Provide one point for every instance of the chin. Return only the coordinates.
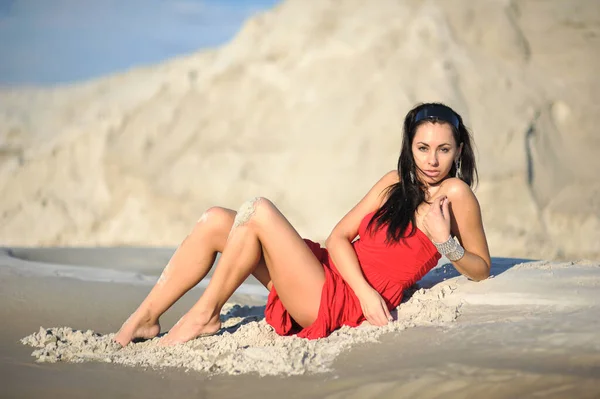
(432, 180)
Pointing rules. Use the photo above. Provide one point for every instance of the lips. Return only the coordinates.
(432, 173)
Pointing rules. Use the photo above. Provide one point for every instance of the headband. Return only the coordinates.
(437, 112)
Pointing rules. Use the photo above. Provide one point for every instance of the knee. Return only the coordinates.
(215, 218)
(254, 211)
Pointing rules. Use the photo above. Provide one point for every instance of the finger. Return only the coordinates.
(435, 205)
(387, 313)
(440, 205)
(368, 317)
(372, 320)
(445, 210)
(443, 200)
(380, 318)
(375, 319)
(371, 317)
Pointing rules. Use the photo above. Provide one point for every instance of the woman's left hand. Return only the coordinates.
(437, 219)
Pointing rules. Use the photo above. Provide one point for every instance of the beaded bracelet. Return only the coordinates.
(450, 249)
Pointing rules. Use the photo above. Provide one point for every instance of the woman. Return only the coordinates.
(404, 222)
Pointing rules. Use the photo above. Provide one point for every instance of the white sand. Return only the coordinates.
(246, 343)
(529, 331)
(516, 293)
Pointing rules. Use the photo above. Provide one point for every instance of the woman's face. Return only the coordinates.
(434, 151)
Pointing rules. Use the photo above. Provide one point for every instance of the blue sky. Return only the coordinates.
(46, 42)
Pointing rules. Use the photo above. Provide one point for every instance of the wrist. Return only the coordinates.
(362, 290)
(450, 248)
(441, 238)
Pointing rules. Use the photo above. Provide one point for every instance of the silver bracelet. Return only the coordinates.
(450, 249)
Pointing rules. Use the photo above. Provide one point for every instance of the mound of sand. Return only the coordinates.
(245, 344)
(305, 107)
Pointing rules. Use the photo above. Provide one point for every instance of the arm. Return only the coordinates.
(462, 217)
(339, 245)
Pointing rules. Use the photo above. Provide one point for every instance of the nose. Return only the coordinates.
(432, 158)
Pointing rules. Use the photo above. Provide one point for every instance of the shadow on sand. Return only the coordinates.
(446, 271)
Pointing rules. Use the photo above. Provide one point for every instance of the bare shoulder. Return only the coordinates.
(390, 177)
(464, 205)
(458, 191)
(348, 226)
(382, 186)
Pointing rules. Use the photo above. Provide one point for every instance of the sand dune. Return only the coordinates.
(304, 106)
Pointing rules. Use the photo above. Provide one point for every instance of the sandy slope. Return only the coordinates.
(304, 106)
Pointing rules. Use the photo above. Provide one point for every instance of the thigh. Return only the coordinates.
(219, 221)
(295, 271)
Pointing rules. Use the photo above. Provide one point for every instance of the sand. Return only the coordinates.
(529, 330)
(246, 344)
(304, 107)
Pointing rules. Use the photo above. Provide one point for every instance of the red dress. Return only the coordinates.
(389, 269)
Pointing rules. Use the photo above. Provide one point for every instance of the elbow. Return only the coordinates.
(483, 274)
(481, 277)
(329, 240)
(333, 238)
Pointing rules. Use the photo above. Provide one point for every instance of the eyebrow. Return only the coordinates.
(425, 144)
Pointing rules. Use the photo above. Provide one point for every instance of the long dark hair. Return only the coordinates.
(398, 211)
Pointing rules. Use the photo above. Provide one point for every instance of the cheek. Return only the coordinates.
(418, 156)
(448, 160)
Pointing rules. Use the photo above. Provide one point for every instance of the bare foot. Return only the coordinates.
(191, 326)
(138, 325)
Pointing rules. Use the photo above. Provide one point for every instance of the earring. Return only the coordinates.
(412, 177)
(458, 165)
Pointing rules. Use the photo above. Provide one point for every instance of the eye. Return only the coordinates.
(422, 148)
(445, 150)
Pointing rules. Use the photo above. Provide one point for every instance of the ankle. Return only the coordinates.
(206, 315)
(145, 316)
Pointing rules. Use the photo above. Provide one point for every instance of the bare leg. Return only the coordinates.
(189, 264)
(260, 231)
